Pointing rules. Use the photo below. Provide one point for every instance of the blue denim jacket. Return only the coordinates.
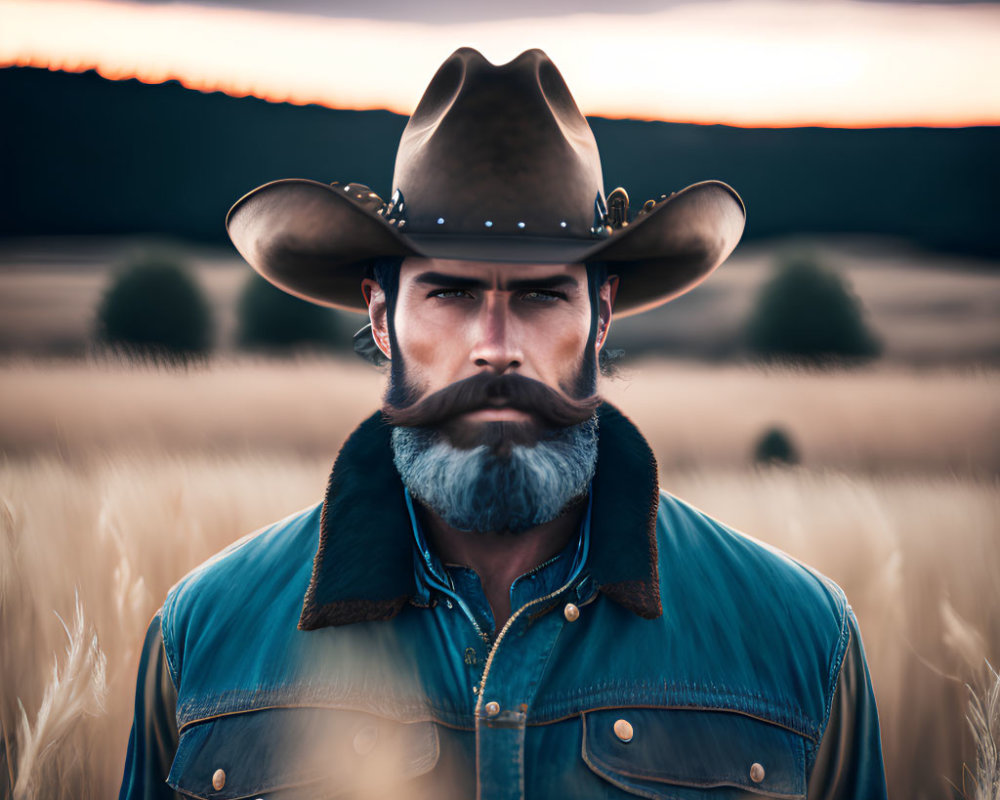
(677, 658)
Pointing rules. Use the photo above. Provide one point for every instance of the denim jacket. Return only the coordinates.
(678, 659)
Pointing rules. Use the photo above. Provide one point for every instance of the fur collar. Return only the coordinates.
(363, 569)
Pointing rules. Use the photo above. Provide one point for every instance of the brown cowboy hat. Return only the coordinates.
(496, 164)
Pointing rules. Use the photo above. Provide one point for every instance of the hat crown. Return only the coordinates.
(493, 150)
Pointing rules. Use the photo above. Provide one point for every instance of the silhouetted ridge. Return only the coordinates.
(83, 154)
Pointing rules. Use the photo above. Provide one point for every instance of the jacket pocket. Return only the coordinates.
(291, 753)
(674, 754)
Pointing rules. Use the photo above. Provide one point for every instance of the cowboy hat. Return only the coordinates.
(496, 164)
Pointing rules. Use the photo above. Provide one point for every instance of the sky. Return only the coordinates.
(845, 63)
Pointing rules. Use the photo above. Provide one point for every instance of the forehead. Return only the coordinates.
(492, 273)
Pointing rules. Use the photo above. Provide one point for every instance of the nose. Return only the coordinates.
(496, 346)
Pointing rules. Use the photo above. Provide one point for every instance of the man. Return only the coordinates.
(494, 599)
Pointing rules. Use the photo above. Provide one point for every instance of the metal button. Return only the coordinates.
(219, 779)
(364, 740)
(571, 612)
(756, 772)
(623, 730)
(492, 708)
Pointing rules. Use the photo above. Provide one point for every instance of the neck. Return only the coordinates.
(500, 558)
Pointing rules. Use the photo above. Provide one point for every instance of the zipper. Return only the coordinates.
(480, 693)
(582, 552)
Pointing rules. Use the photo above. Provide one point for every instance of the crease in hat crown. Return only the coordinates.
(480, 118)
(497, 163)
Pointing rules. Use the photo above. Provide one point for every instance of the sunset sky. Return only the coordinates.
(741, 62)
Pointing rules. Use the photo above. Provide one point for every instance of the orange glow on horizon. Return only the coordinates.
(761, 63)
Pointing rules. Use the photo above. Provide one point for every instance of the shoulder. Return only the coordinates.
(258, 575)
(772, 612)
(684, 531)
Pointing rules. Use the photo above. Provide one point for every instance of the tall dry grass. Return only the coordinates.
(870, 420)
(115, 482)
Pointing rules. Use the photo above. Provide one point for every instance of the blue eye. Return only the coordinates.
(447, 293)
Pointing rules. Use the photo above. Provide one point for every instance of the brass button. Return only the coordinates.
(623, 730)
(219, 779)
(571, 612)
(492, 708)
(364, 740)
(756, 772)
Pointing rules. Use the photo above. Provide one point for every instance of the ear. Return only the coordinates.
(605, 304)
(378, 314)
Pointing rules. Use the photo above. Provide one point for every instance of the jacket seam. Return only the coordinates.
(168, 654)
(837, 667)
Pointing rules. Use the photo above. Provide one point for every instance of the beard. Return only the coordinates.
(499, 477)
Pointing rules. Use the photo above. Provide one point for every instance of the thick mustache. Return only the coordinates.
(484, 390)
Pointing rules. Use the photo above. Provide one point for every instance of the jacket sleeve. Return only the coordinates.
(153, 741)
(848, 763)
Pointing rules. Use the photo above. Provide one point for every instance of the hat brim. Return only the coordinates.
(314, 242)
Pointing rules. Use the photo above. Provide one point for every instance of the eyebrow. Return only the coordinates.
(462, 282)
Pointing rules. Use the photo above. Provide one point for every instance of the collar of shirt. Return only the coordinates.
(363, 570)
(461, 585)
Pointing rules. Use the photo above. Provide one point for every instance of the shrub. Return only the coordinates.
(775, 447)
(807, 312)
(154, 307)
(270, 319)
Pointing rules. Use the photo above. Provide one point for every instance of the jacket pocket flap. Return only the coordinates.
(642, 748)
(300, 752)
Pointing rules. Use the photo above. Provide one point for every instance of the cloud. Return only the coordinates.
(758, 62)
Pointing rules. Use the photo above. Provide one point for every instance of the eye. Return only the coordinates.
(542, 296)
(448, 293)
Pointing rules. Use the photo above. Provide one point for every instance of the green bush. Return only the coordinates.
(270, 319)
(808, 313)
(775, 447)
(154, 307)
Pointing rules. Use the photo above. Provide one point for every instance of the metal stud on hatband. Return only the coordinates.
(618, 208)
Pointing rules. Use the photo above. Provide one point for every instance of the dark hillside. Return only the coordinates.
(82, 154)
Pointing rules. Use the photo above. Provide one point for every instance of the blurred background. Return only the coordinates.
(832, 389)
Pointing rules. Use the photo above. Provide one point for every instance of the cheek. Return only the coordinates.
(562, 341)
(428, 344)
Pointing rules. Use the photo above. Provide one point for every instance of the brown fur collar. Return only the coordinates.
(363, 569)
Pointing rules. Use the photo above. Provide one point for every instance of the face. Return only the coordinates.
(456, 319)
(496, 430)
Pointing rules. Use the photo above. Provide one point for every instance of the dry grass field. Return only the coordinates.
(116, 480)
(927, 308)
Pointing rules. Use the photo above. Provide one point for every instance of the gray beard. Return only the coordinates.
(478, 490)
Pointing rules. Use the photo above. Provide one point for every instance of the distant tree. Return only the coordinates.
(775, 447)
(154, 307)
(807, 312)
(270, 319)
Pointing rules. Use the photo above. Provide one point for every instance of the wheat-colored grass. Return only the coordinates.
(871, 420)
(116, 482)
